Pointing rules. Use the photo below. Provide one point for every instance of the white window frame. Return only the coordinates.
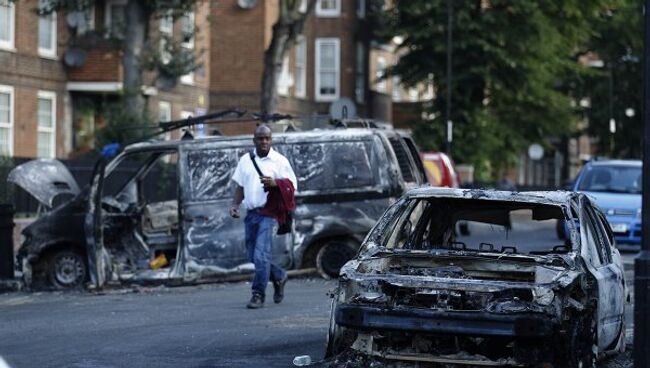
(48, 95)
(328, 13)
(380, 83)
(164, 105)
(337, 62)
(108, 13)
(396, 92)
(285, 79)
(187, 79)
(300, 89)
(190, 44)
(361, 9)
(10, 45)
(9, 125)
(48, 52)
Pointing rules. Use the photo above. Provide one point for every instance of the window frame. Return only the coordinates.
(47, 95)
(10, 44)
(361, 9)
(165, 105)
(337, 69)
(49, 52)
(108, 15)
(300, 89)
(328, 13)
(12, 110)
(360, 73)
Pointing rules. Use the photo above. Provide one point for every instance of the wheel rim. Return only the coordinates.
(69, 269)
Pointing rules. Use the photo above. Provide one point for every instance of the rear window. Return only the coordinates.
(617, 179)
(402, 159)
(334, 165)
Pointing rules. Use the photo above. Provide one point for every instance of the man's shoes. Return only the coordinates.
(257, 301)
(278, 287)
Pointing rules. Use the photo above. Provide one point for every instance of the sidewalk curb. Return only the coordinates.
(9, 285)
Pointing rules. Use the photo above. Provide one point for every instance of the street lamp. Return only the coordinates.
(450, 123)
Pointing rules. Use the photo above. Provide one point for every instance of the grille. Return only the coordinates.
(402, 159)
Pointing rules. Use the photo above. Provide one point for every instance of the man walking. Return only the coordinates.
(260, 175)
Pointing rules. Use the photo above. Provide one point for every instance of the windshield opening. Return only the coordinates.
(479, 225)
(618, 179)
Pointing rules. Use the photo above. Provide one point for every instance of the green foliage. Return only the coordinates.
(122, 127)
(511, 63)
(619, 43)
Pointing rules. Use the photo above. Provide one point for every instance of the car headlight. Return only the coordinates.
(543, 295)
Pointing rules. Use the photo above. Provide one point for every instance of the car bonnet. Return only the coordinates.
(44, 179)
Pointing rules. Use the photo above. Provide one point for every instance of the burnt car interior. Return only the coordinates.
(140, 211)
(502, 227)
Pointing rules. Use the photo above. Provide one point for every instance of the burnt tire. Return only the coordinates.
(66, 269)
(332, 256)
(581, 343)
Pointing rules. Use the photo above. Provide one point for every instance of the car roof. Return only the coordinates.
(317, 134)
(557, 198)
(634, 163)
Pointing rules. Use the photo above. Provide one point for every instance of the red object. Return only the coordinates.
(280, 201)
(439, 169)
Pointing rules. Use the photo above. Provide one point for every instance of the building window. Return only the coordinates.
(6, 120)
(187, 29)
(300, 73)
(360, 74)
(46, 32)
(284, 78)
(115, 17)
(164, 115)
(166, 28)
(7, 24)
(328, 8)
(397, 91)
(361, 9)
(46, 142)
(380, 75)
(327, 69)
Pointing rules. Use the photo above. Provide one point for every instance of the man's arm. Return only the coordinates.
(237, 198)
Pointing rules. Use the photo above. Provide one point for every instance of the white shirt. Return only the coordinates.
(274, 165)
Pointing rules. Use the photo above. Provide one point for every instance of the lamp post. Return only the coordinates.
(642, 261)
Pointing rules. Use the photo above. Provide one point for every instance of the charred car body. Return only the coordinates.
(511, 293)
(159, 210)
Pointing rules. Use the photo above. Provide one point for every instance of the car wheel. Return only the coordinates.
(332, 256)
(66, 269)
(581, 351)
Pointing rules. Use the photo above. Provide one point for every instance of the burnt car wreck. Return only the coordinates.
(158, 212)
(508, 292)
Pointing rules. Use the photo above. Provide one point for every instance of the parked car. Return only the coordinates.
(616, 185)
(440, 169)
(159, 210)
(511, 293)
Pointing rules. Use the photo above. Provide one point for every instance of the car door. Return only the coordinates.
(97, 256)
(214, 242)
(611, 294)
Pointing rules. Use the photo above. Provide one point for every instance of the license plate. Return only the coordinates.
(619, 228)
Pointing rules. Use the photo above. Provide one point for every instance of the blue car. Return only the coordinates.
(616, 186)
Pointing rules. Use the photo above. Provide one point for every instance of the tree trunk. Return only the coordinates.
(136, 19)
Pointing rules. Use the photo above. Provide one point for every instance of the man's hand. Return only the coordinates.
(234, 211)
(268, 182)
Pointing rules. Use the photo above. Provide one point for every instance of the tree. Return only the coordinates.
(511, 63)
(139, 51)
(615, 90)
(290, 24)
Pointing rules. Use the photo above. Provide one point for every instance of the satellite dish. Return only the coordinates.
(343, 108)
(74, 57)
(246, 4)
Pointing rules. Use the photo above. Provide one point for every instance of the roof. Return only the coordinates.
(557, 198)
(636, 163)
(307, 135)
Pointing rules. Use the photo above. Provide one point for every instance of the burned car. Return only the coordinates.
(159, 210)
(509, 293)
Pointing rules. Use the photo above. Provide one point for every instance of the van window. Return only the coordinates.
(402, 159)
(333, 165)
(210, 171)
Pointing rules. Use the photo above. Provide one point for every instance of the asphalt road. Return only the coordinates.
(200, 326)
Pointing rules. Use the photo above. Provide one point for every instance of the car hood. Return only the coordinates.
(616, 200)
(45, 179)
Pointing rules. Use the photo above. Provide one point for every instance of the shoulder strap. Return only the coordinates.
(255, 164)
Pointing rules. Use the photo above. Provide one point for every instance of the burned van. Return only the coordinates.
(159, 210)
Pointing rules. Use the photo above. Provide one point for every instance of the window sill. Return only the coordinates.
(45, 55)
(7, 48)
